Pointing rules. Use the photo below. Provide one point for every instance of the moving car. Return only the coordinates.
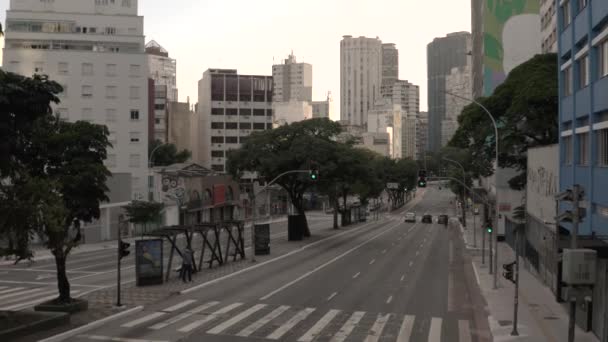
(443, 219)
(476, 211)
(410, 217)
(426, 218)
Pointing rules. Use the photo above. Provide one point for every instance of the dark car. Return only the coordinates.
(426, 218)
(443, 219)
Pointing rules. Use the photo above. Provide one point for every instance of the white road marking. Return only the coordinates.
(144, 319)
(234, 320)
(327, 263)
(348, 327)
(389, 299)
(263, 321)
(435, 330)
(411, 263)
(356, 275)
(198, 323)
(318, 327)
(476, 273)
(372, 262)
(283, 329)
(405, 332)
(332, 296)
(450, 291)
(3, 287)
(402, 277)
(464, 331)
(183, 316)
(376, 330)
(417, 252)
(94, 265)
(179, 305)
(20, 293)
(30, 296)
(384, 251)
(33, 302)
(11, 290)
(118, 339)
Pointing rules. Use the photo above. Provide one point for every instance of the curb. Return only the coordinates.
(76, 331)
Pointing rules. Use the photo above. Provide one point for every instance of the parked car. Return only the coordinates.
(410, 217)
(426, 218)
(476, 211)
(443, 219)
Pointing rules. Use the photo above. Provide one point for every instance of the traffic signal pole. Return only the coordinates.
(119, 256)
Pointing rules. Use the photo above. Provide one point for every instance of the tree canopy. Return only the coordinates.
(166, 154)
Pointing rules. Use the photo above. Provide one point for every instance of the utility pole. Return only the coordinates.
(491, 255)
(474, 228)
(576, 194)
(516, 295)
(483, 246)
(118, 249)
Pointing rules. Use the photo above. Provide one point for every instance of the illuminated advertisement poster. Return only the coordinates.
(149, 261)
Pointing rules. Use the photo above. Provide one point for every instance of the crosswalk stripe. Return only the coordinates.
(464, 331)
(316, 329)
(183, 316)
(144, 319)
(117, 339)
(3, 287)
(20, 293)
(30, 296)
(376, 330)
(198, 323)
(10, 289)
(33, 302)
(283, 329)
(179, 305)
(262, 321)
(348, 327)
(234, 320)
(405, 332)
(435, 330)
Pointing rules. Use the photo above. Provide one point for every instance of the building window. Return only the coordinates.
(134, 70)
(245, 111)
(217, 140)
(582, 4)
(111, 92)
(231, 125)
(567, 150)
(111, 161)
(87, 69)
(258, 112)
(134, 160)
(159, 106)
(603, 58)
(568, 81)
(583, 148)
(217, 125)
(566, 15)
(232, 140)
(217, 111)
(134, 92)
(245, 125)
(87, 91)
(231, 111)
(134, 137)
(62, 113)
(134, 114)
(110, 31)
(602, 147)
(112, 137)
(87, 114)
(259, 125)
(110, 115)
(268, 126)
(111, 70)
(217, 88)
(583, 70)
(62, 68)
(217, 154)
(218, 168)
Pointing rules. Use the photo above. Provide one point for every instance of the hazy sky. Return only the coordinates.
(248, 34)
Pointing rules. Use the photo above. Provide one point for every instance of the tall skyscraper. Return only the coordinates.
(476, 51)
(390, 68)
(292, 81)
(443, 54)
(162, 69)
(548, 26)
(360, 77)
(407, 95)
(458, 82)
(422, 131)
(95, 50)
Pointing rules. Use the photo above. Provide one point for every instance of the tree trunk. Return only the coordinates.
(300, 209)
(336, 206)
(63, 284)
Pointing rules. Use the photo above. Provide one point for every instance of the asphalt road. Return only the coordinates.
(26, 284)
(385, 280)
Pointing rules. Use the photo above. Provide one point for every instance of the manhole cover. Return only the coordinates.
(505, 323)
(551, 317)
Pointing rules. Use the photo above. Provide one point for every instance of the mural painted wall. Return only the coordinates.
(511, 37)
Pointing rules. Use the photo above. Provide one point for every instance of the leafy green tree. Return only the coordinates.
(143, 213)
(166, 154)
(289, 147)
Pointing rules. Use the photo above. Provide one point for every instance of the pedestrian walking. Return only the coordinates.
(187, 264)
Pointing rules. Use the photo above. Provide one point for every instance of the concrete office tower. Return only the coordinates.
(95, 50)
(407, 95)
(458, 82)
(476, 52)
(181, 119)
(390, 69)
(292, 81)
(409, 128)
(360, 77)
(386, 117)
(162, 69)
(443, 54)
(230, 107)
(548, 26)
(421, 135)
(159, 114)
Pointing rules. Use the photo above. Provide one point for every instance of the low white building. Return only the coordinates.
(386, 117)
(290, 112)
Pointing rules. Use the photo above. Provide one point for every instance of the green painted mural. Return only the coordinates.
(497, 15)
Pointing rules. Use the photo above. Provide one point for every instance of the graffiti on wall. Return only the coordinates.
(542, 181)
(172, 188)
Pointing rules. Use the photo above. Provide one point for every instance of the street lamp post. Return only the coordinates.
(464, 180)
(495, 176)
(150, 185)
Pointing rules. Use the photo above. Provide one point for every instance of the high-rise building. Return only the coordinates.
(181, 119)
(390, 68)
(105, 81)
(230, 107)
(476, 51)
(458, 82)
(162, 69)
(386, 117)
(360, 77)
(548, 26)
(422, 123)
(407, 95)
(292, 81)
(159, 114)
(443, 54)
(320, 109)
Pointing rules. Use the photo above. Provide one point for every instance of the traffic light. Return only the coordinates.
(422, 178)
(508, 273)
(314, 172)
(489, 227)
(124, 249)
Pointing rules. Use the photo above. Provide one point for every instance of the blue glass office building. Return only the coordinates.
(583, 109)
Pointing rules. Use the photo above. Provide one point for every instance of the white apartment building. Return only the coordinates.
(290, 112)
(292, 81)
(230, 107)
(407, 95)
(386, 117)
(408, 136)
(458, 82)
(162, 69)
(95, 50)
(320, 109)
(360, 77)
(548, 26)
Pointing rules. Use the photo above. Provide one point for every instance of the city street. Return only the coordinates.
(386, 280)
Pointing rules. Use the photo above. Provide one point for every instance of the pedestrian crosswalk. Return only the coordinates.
(301, 324)
(18, 297)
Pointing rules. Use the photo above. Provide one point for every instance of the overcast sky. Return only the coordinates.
(249, 34)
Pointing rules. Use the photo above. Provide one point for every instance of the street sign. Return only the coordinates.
(392, 185)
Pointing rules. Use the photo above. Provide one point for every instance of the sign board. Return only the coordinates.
(504, 207)
(392, 185)
(149, 262)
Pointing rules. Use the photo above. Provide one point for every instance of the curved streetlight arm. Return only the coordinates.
(152, 154)
(464, 185)
(457, 163)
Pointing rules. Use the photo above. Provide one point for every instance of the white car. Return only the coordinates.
(410, 217)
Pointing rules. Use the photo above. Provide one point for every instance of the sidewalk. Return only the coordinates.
(540, 317)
